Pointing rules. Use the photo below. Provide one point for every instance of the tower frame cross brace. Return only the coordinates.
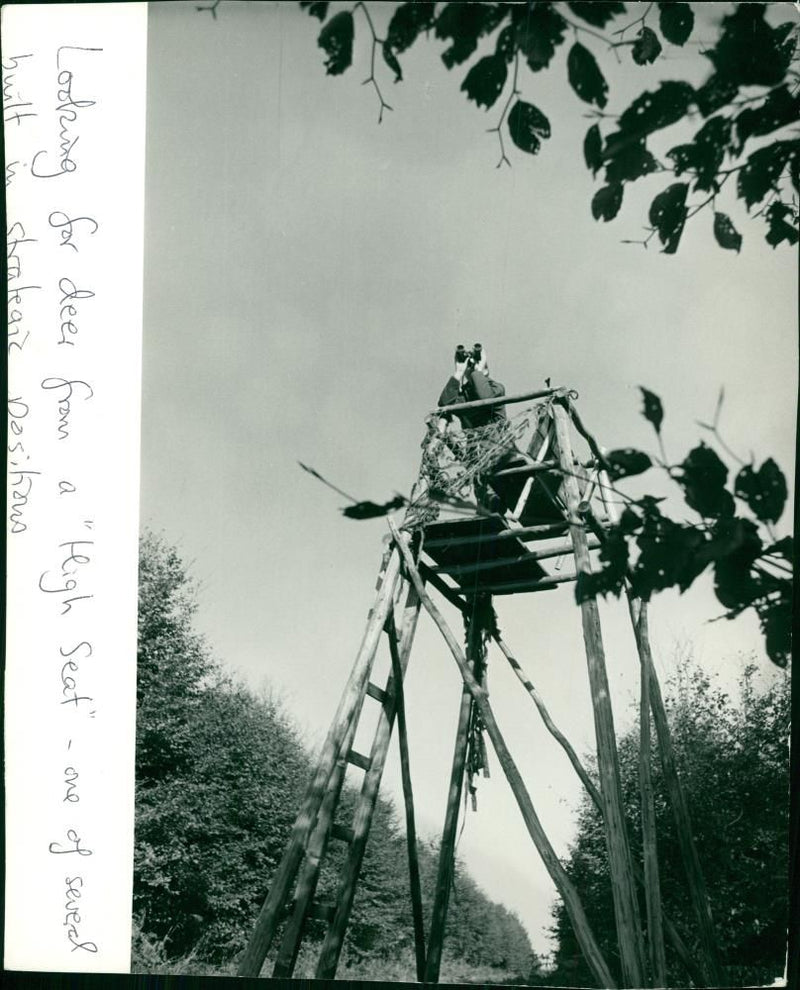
(401, 591)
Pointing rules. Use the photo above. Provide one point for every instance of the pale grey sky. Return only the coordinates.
(307, 276)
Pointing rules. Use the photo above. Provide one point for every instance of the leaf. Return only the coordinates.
(370, 510)
(653, 411)
(651, 111)
(485, 80)
(715, 93)
(610, 579)
(735, 584)
(668, 215)
(676, 21)
(593, 148)
(704, 155)
(763, 169)
(464, 24)
(585, 76)
(316, 8)
(626, 463)
(539, 34)
(607, 201)
(647, 47)
(783, 548)
(506, 45)
(779, 109)
(749, 52)
(776, 625)
(726, 234)
(628, 159)
(703, 476)
(598, 13)
(526, 124)
(779, 229)
(764, 490)
(408, 20)
(390, 59)
(668, 555)
(336, 38)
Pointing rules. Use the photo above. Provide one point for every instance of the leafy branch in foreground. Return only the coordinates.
(648, 551)
(751, 94)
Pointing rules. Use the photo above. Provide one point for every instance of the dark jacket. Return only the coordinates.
(475, 386)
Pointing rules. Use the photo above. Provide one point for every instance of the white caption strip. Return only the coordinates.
(74, 108)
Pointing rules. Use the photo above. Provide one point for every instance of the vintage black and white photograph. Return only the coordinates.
(467, 457)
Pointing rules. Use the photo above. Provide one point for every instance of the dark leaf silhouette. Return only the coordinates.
(764, 490)
(776, 625)
(778, 109)
(598, 13)
(316, 8)
(676, 21)
(749, 52)
(336, 38)
(610, 579)
(626, 463)
(779, 228)
(647, 47)
(763, 169)
(408, 20)
(704, 155)
(653, 411)
(593, 148)
(607, 201)
(506, 46)
(585, 76)
(668, 215)
(668, 555)
(464, 24)
(714, 94)
(782, 548)
(371, 510)
(627, 159)
(390, 59)
(736, 585)
(539, 34)
(485, 80)
(702, 475)
(652, 111)
(527, 124)
(726, 234)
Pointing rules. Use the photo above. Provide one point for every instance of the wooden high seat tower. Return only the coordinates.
(494, 512)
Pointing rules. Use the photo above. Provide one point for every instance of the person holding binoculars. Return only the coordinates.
(470, 381)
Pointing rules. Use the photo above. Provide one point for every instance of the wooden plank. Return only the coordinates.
(557, 551)
(377, 693)
(577, 915)
(626, 907)
(523, 470)
(520, 533)
(269, 916)
(521, 587)
(320, 911)
(358, 760)
(341, 832)
(451, 594)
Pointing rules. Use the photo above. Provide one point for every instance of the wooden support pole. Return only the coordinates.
(446, 864)
(526, 469)
(408, 799)
(626, 908)
(652, 885)
(267, 921)
(698, 893)
(332, 945)
(451, 594)
(564, 885)
(489, 565)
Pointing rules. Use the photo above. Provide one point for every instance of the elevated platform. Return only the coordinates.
(483, 554)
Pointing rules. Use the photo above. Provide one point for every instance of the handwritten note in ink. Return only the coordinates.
(74, 115)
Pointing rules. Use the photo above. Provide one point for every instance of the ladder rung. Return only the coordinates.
(320, 911)
(343, 832)
(377, 693)
(358, 760)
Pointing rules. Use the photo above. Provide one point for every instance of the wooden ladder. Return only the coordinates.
(292, 893)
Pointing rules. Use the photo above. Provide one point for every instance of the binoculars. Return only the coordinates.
(474, 356)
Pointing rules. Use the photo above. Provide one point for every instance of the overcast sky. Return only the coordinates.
(307, 276)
